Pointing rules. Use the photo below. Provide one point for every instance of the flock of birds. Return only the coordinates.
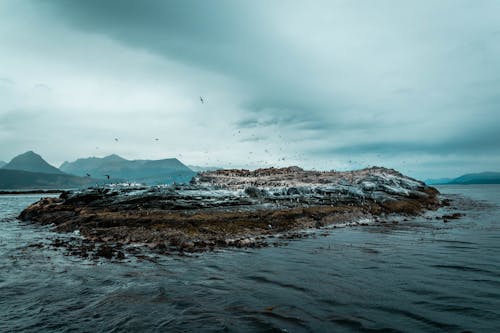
(253, 137)
(202, 100)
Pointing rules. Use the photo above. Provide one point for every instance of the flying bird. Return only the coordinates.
(116, 139)
(202, 100)
(107, 176)
(88, 175)
(157, 139)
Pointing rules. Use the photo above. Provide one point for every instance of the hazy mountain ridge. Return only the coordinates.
(91, 163)
(19, 179)
(146, 171)
(30, 171)
(198, 168)
(31, 162)
(478, 178)
(488, 177)
(438, 181)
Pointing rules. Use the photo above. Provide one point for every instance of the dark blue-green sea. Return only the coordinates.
(421, 275)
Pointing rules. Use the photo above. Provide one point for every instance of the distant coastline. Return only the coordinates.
(468, 179)
(35, 191)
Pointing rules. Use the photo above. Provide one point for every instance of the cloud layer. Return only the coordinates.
(328, 84)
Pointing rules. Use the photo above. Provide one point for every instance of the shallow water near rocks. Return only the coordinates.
(419, 275)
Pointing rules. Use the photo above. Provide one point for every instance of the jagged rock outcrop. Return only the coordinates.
(232, 207)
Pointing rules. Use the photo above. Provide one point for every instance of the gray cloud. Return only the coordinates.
(321, 83)
(6, 81)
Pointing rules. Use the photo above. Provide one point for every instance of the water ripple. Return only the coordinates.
(420, 276)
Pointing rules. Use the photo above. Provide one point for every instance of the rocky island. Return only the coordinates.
(231, 208)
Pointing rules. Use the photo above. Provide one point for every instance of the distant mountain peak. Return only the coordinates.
(114, 157)
(485, 177)
(29, 153)
(200, 168)
(32, 162)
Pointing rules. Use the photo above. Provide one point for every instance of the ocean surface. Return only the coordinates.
(422, 275)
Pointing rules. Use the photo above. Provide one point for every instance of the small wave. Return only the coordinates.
(463, 268)
(419, 318)
(454, 241)
(258, 278)
(357, 324)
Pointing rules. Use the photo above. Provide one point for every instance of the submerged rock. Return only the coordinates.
(231, 207)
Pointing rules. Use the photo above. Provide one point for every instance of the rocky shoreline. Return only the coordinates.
(230, 208)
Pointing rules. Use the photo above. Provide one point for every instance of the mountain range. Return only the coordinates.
(30, 171)
(470, 178)
(143, 171)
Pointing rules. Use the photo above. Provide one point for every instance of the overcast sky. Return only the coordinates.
(413, 85)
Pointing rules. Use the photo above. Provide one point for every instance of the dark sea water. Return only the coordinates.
(416, 276)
